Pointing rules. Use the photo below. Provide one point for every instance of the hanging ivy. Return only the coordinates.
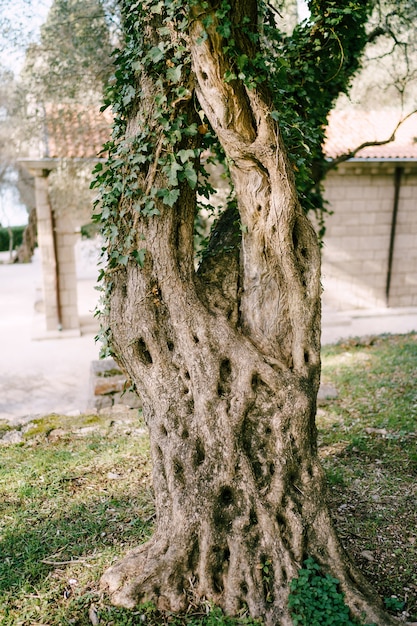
(304, 73)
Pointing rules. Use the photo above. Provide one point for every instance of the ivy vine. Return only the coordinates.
(301, 74)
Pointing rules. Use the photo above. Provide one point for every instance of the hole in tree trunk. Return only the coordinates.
(220, 566)
(295, 236)
(199, 454)
(163, 430)
(280, 520)
(185, 434)
(257, 447)
(178, 471)
(283, 530)
(170, 346)
(194, 556)
(257, 383)
(224, 510)
(196, 339)
(142, 352)
(226, 496)
(224, 386)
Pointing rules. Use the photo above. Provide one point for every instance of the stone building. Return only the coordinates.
(370, 246)
(73, 139)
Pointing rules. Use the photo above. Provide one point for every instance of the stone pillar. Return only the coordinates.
(65, 245)
(46, 244)
(56, 239)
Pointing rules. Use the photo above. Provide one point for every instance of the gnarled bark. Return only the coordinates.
(228, 370)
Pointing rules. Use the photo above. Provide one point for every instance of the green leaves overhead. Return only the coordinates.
(146, 171)
(302, 74)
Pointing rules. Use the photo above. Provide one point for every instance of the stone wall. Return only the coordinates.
(357, 241)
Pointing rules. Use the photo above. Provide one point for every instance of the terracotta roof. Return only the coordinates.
(348, 129)
(75, 131)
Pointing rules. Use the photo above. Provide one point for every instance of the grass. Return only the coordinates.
(75, 495)
(368, 442)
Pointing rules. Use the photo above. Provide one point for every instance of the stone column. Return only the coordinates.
(56, 239)
(47, 248)
(65, 237)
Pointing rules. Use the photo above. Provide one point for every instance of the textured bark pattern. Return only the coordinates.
(227, 364)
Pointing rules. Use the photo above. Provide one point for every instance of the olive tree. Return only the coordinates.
(226, 354)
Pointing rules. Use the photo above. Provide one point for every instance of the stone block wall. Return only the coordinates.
(357, 241)
(403, 290)
(66, 238)
(108, 387)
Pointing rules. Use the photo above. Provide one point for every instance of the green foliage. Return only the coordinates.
(159, 160)
(304, 71)
(17, 234)
(315, 599)
(70, 39)
(165, 143)
(394, 604)
(307, 71)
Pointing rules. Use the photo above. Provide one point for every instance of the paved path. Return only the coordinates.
(37, 377)
(52, 375)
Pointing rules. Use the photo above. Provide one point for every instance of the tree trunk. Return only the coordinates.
(25, 251)
(227, 362)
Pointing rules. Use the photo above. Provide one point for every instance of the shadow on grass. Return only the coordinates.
(81, 531)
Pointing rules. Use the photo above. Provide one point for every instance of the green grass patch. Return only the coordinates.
(368, 441)
(75, 495)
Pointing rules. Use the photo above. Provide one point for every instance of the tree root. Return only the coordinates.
(151, 572)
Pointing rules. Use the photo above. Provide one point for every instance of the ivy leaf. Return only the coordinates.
(191, 129)
(171, 169)
(139, 256)
(156, 54)
(190, 174)
(157, 8)
(224, 30)
(229, 76)
(129, 95)
(185, 155)
(174, 73)
(169, 196)
(164, 31)
(138, 158)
